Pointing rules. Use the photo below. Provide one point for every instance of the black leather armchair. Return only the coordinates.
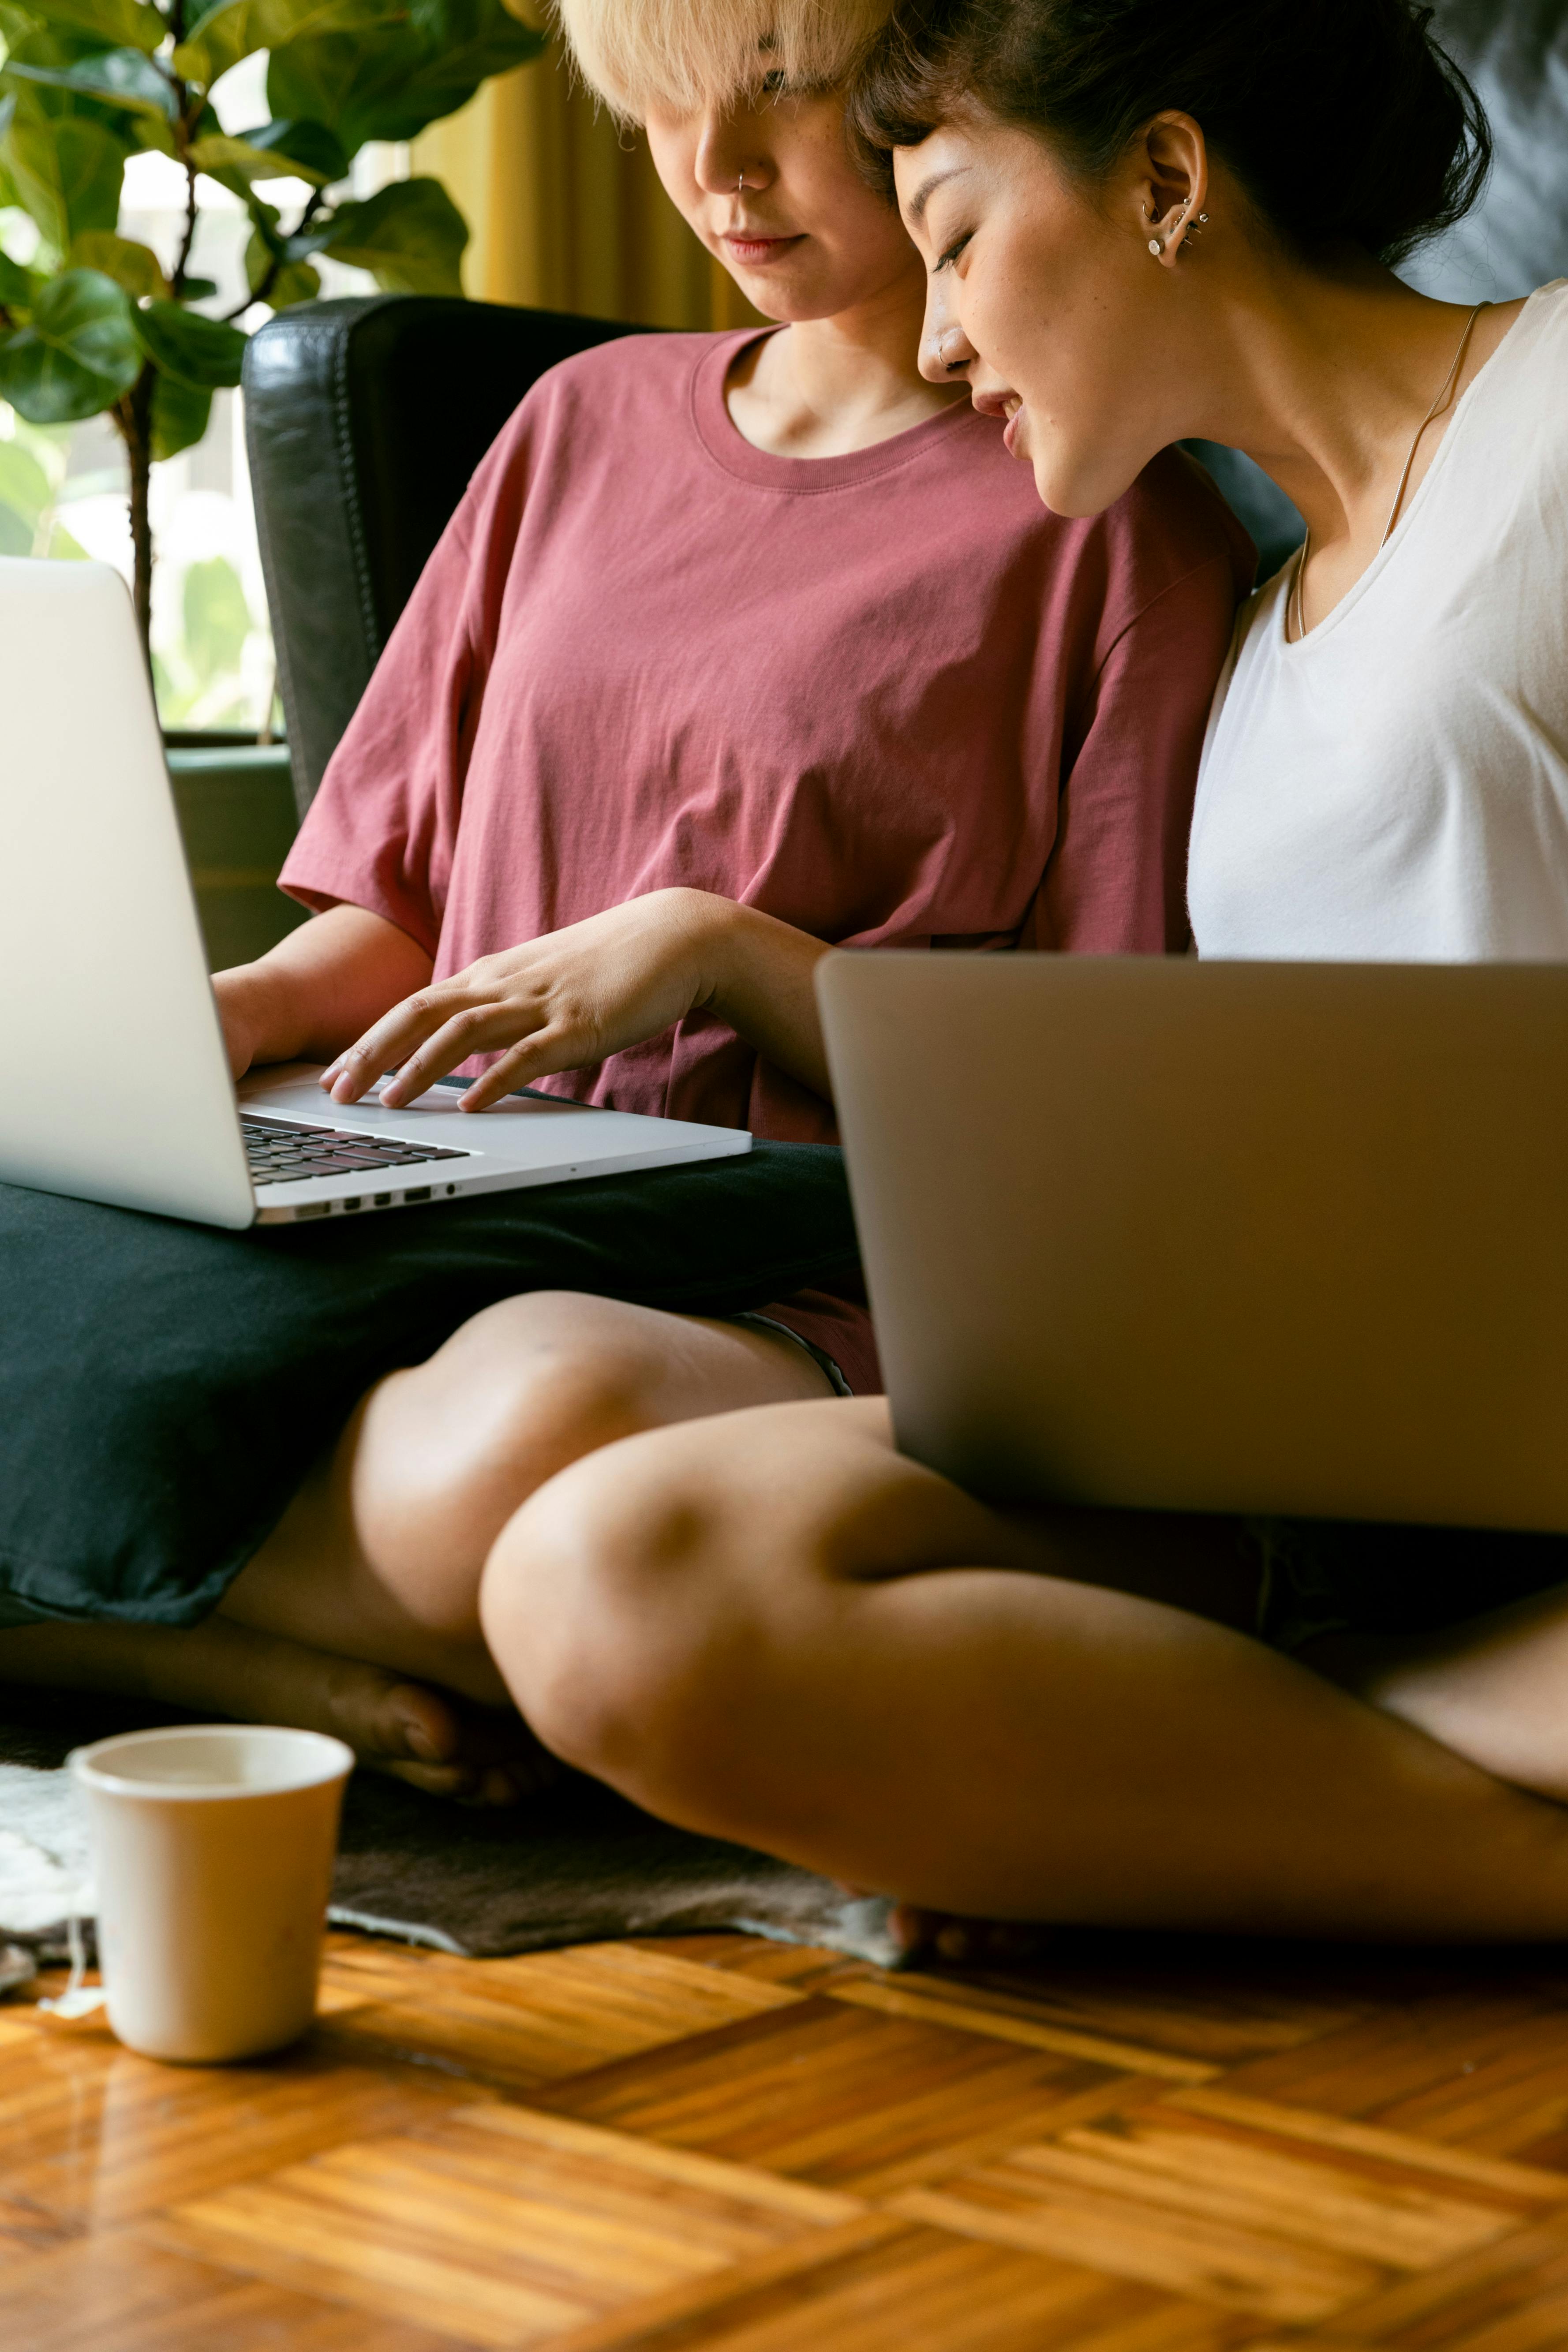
(365, 419)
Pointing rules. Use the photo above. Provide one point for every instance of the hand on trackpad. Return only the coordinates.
(438, 1098)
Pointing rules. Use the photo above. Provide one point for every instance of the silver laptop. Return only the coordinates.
(1236, 1237)
(114, 1084)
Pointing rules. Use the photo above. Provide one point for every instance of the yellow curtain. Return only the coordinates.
(566, 210)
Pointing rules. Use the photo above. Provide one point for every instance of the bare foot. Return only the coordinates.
(946, 1937)
(418, 1733)
(974, 1943)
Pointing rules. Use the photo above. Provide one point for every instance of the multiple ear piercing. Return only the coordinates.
(1157, 244)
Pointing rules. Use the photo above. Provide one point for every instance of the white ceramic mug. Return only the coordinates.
(211, 1847)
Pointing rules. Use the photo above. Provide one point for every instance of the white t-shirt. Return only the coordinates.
(1394, 787)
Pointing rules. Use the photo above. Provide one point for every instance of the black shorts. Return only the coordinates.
(165, 1387)
(1335, 1576)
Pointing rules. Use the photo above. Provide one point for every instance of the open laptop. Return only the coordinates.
(1238, 1237)
(114, 1083)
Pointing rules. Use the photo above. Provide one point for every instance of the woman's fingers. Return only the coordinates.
(537, 1057)
(449, 1036)
(421, 1039)
(384, 1046)
(475, 1029)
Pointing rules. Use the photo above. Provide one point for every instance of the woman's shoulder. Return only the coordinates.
(1522, 381)
(1546, 311)
(636, 375)
(588, 413)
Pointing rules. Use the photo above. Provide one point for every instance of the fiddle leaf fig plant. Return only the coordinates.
(96, 323)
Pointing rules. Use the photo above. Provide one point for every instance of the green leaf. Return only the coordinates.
(389, 81)
(180, 414)
(68, 174)
(294, 281)
(39, 74)
(278, 150)
(205, 353)
(151, 131)
(78, 355)
(121, 78)
(410, 235)
(15, 539)
(24, 490)
(16, 286)
(216, 617)
(63, 548)
(121, 24)
(232, 29)
(135, 267)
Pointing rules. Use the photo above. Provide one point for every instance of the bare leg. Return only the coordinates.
(796, 1639)
(1494, 1689)
(359, 1614)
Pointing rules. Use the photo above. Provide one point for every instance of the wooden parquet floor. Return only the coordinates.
(713, 2144)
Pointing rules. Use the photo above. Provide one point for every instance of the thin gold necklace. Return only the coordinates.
(1296, 607)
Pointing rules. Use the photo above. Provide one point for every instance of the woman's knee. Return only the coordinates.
(646, 1607)
(544, 1377)
(590, 1604)
(449, 1449)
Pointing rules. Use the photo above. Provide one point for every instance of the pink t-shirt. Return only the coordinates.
(887, 698)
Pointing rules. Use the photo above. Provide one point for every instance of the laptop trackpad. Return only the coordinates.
(289, 1091)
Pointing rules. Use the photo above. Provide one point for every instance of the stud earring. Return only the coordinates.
(1156, 246)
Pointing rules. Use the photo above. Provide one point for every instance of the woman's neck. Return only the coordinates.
(1325, 380)
(826, 387)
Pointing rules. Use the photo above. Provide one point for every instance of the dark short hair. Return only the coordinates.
(1397, 139)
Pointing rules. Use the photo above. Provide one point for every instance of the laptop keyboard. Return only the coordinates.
(286, 1150)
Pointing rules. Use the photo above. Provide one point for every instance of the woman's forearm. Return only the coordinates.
(318, 989)
(762, 986)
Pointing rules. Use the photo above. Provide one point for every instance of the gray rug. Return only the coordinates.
(572, 1865)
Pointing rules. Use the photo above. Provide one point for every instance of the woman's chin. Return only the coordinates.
(1077, 493)
(788, 297)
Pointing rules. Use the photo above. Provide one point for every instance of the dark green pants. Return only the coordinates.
(165, 1387)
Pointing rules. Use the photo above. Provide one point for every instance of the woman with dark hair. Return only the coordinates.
(1143, 223)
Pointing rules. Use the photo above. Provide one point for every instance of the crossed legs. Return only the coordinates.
(774, 1629)
(359, 1614)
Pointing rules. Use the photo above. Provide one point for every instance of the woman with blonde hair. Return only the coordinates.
(739, 647)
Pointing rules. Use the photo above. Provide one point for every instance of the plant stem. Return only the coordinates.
(177, 283)
(133, 421)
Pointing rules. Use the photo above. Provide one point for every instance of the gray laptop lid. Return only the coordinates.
(113, 1080)
(1217, 1236)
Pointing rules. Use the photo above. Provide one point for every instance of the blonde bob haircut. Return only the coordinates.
(684, 56)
